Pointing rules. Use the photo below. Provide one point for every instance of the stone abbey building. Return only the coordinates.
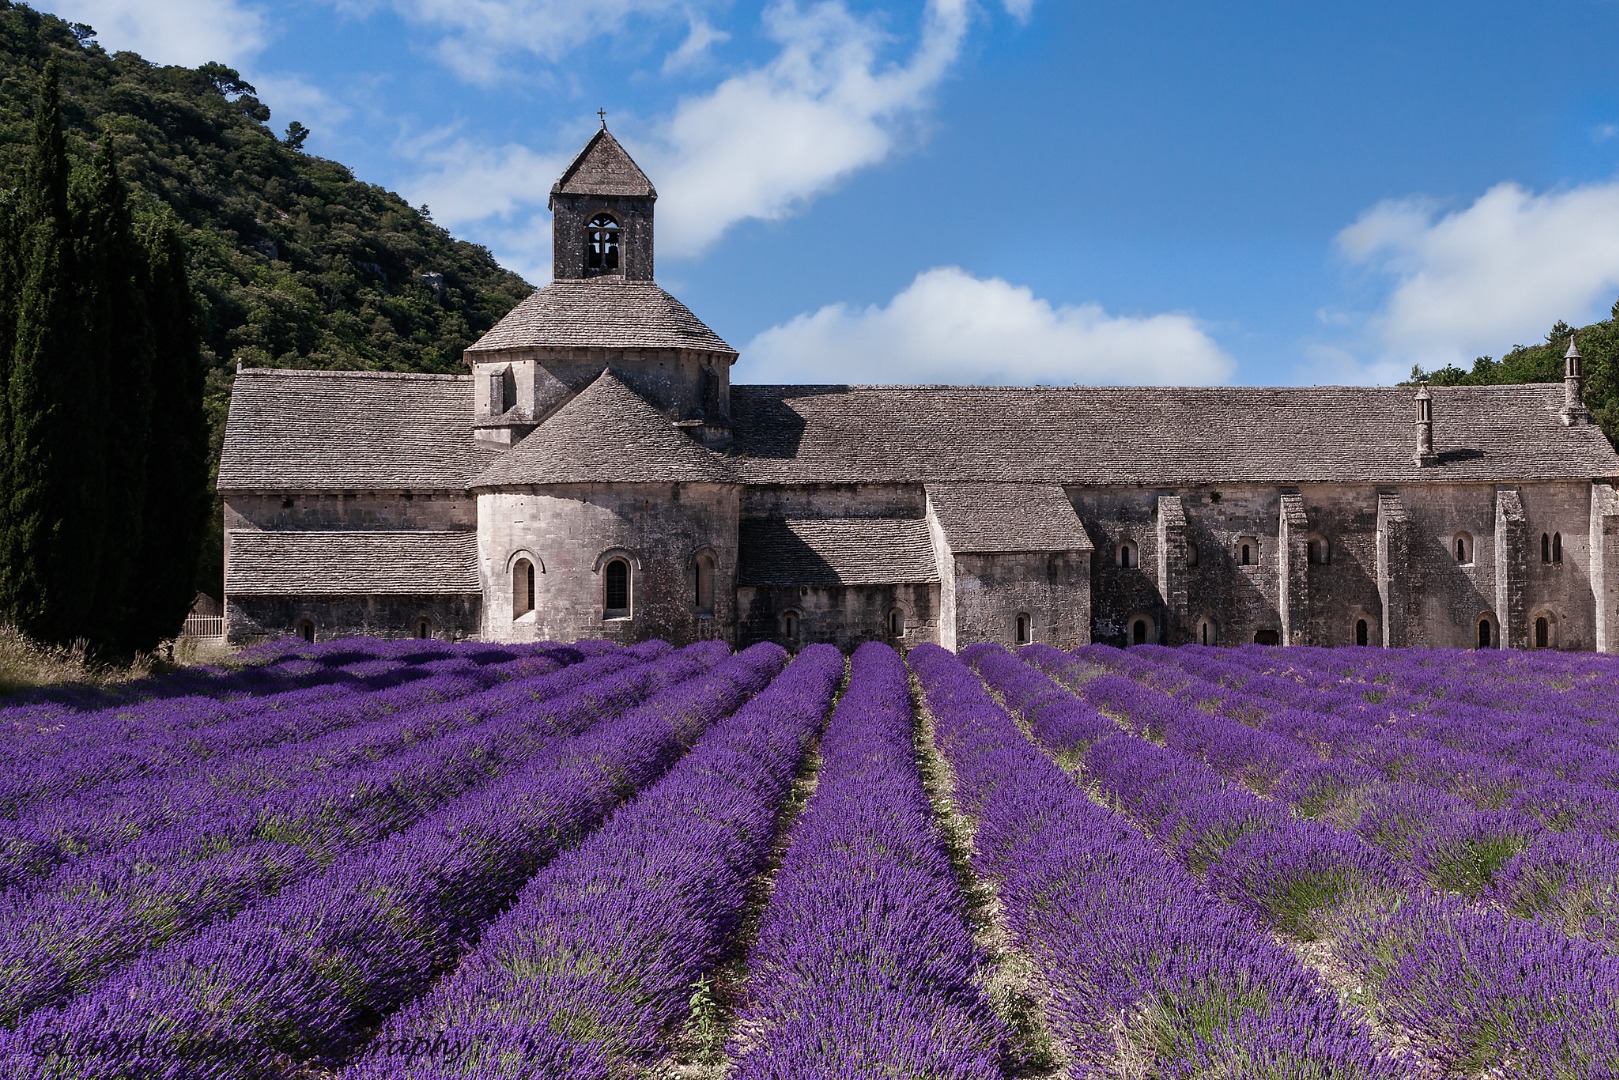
(597, 474)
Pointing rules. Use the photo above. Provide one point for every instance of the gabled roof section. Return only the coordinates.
(349, 431)
(607, 434)
(603, 167)
(993, 518)
(601, 313)
(355, 562)
(836, 551)
(1156, 436)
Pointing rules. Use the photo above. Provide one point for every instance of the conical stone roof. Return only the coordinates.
(601, 313)
(608, 434)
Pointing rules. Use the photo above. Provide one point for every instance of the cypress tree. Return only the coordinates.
(52, 573)
(113, 392)
(9, 285)
(178, 503)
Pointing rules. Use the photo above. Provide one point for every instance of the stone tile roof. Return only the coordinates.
(1155, 435)
(603, 167)
(607, 433)
(606, 313)
(836, 551)
(988, 518)
(352, 563)
(349, 430)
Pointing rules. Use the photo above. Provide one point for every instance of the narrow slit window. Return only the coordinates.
(896, 623)
(306, 630)
(1363, 632)
(1024, 628)
(1543, 632)
(424, 627)
(789, 625)
(616, 589)
(1191, 553)
(1138, 632)
(704, 574)
(1247, 555)
(1545, 548)
(1557, 547)
(1484, 633)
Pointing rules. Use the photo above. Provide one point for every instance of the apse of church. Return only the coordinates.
(596, 473)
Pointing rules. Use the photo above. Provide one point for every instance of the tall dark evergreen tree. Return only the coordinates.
(9, 285)
(113, 393)
(52, 568)
(177, 505)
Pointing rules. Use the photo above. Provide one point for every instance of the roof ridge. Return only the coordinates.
(350, 374)
(1133, 388)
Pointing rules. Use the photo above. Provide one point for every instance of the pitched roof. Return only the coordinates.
(353, 563)
(606, 434)
(985, 518)
(603, 167)
(1155, 435)
(349, 430)
(606, 313)
(835, 551)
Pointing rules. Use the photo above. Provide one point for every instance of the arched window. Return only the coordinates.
(1140, 630)
(1545, 548)
(1207, 633)
(616, 589)
(1246, 557)
(1129, 554)
(1025, 629)
(424, 627)
(703, 572)
(1363, 632)
(601, 244)
(896, 622)
(522, 588)
(1316, 550)
(1191, 553)
(1463, 546)
(1543, 632)
(1557, 547)
(789, 626)
(1486, 632)
(306, 629)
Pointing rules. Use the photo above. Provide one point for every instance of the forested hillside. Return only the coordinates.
(1598, 344)
(294, 262)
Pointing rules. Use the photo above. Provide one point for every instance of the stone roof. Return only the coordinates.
(349, 430)
(835, 551)
(1155, 435)
(352, 563)
(603, 167)
(987, 518)
(607, 433)
(604, 313)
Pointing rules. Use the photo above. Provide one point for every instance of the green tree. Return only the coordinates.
(177, 504)
(51, 568)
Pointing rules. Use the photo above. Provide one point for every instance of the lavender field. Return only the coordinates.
(381, 860)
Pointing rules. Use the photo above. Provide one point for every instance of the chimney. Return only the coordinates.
(1425, 455)
(1574, 411)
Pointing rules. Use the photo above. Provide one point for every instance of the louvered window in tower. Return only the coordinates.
(601, 245)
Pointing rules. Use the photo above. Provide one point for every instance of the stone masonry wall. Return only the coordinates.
(259, 618)
(844, 615)
(449, 510)
(570, 532)
(1053, 589)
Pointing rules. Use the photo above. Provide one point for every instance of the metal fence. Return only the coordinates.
(204, 626)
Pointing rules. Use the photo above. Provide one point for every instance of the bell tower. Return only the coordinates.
(601, 215)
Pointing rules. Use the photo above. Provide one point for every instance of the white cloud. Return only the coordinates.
(1020, 9)
(766, 141)
(695, 49)
(480, 34)
(187, 32)
(949, 326)
(1603, 132)
(1500, 271)
(292, 97)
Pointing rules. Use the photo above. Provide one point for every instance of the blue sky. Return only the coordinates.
(998, 190)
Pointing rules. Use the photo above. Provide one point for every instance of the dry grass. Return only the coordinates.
(26, 664)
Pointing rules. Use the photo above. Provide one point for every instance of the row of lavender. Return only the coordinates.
(1474, 988)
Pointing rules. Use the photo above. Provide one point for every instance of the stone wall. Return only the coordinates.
(569, 213)
(252, 619)
(844, 615)
(1051, 588)
(682, 383)
(570, 532)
